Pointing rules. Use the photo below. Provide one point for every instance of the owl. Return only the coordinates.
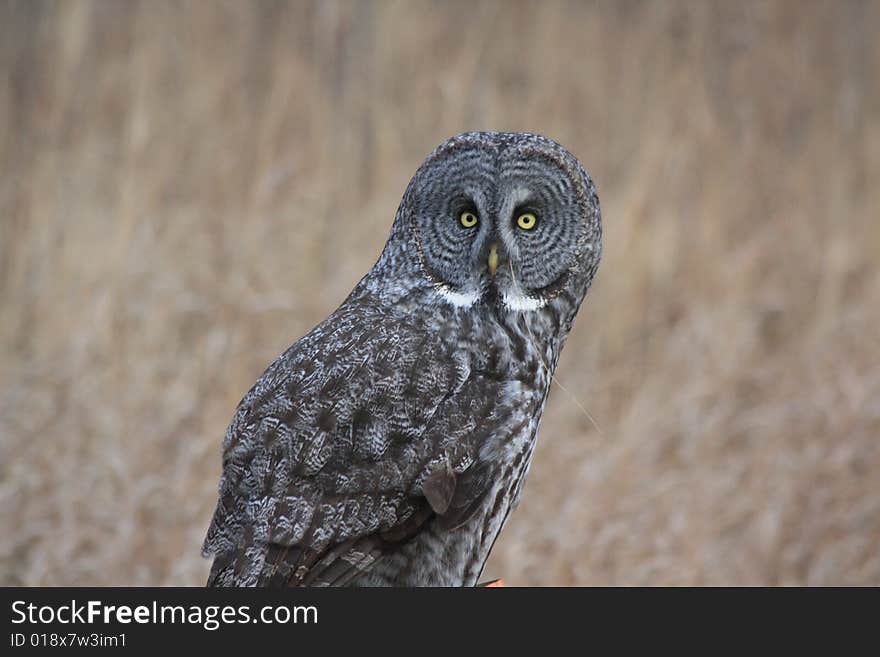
(388, 446)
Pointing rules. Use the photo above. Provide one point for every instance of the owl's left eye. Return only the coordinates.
(527, 221)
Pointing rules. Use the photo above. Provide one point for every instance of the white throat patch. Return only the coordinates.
(522, 302)
(458, 299)
(513, 301)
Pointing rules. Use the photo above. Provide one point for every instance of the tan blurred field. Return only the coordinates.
(187, 188)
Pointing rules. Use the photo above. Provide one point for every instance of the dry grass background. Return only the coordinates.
(188, 187)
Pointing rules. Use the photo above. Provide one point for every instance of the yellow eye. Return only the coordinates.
(468, 219)
(526, 221)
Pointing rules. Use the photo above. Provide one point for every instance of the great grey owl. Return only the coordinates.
(389, 445)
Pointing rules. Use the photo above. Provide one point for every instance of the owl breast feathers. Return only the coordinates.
(389, 444)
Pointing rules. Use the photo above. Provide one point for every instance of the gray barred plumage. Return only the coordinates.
(389, 444)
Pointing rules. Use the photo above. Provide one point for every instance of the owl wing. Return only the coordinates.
(349, 443)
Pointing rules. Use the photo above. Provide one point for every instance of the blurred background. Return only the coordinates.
(187, 188)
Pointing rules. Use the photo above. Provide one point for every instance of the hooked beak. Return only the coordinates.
(493, 259)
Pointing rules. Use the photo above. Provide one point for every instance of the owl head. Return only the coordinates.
(509, 219)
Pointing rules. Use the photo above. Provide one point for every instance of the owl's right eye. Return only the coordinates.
(468, 219)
